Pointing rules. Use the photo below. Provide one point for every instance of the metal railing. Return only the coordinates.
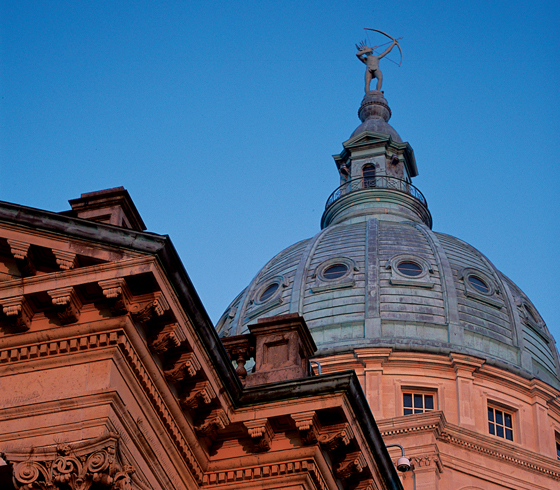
(378, 182)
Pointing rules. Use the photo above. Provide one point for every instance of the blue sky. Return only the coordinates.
(220, 118)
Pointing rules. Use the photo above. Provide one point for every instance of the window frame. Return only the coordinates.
(423, 391)
(505, 411)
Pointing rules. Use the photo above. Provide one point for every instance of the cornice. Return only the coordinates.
(445, 432)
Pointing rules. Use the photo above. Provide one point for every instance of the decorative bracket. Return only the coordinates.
(354, 462)
(201, 393)
(65, 260)
(118, 294)
(68, 302)
(261, 433)
(146, 312)
(186, 365)
(214, 421)
(308, 425)
(19, 312)
(169, 337)
(331, 436)
(20, 251)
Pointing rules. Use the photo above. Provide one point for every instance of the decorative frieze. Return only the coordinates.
(68, 303)
(244, 475)
(261, 433)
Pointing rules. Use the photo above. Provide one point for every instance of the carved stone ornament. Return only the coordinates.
(332, 436)
(19, 312)
(118, 294)
(24, 262)
(169, 337)
(68, 303)
(199, 394)
(65, 260)
(352, 463)
(215, 420)
(72, 467)
(261, 433)
(308, 425)
(187, 365)
(144, 312)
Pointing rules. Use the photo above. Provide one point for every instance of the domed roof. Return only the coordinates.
(376, 275)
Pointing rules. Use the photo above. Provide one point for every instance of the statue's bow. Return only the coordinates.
(385, 34)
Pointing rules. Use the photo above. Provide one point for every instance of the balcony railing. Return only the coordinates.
(378, 182)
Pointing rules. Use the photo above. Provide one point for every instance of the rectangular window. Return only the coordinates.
(500, 423)
(558, 446)
(418, 402)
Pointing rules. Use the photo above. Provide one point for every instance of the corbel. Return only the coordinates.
(215, 420)
(367, 484)
(19, 312)
(24, 262)
(200, 393)
(118, 294)
(65, 260)
(187, 365)
(354, 462)
(331, 436)
(68, 302)
(169, 337)
(145, 312)
(261, 434)
(308, 426)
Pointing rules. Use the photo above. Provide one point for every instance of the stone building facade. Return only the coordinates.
(456, 363)
(113, 377)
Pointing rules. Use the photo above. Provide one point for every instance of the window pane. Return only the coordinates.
(507, 418)
(335, 271)
(499, 418)
(416, 410)
(269, 291)
(491, 428)
(408, 411)
(499, 431)
(490, 414)
(418, 401)
(407, 400)
(509, 434)
(429, 402)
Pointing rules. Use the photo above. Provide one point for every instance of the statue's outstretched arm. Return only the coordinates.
(388, 50)
(360, 57)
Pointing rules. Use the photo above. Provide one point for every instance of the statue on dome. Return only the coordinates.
(366, 56)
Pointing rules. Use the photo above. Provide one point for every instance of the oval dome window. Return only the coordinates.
(479, 284)
(269, 292)
(408, 268)
(335, 271)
